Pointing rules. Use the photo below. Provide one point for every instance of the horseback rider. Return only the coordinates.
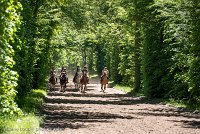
(64, 72)
(61, 70)
(78, 70)
(52, 75)
(105, 70)
(85, 72)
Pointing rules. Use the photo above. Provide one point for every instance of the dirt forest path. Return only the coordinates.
(113, 112)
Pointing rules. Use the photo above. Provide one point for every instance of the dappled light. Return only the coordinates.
(61, 62)
(74, 111)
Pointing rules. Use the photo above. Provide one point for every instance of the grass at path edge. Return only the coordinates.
(29, 121)
(168, 101)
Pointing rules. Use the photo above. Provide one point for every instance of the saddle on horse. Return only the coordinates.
(64, 79)
(52, 80)
(76, 76)
(104, 73)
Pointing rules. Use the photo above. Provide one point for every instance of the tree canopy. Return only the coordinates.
(152, 46)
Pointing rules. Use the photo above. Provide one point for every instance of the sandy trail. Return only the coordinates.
(113, 112)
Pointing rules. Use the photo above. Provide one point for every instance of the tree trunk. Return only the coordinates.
(137, 79)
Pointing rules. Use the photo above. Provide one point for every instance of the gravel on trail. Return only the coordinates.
(113, 112)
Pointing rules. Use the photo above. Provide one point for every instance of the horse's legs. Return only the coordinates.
(101, 87)
(81, 88)
(53, 87)
(60, 88)
(85, 88)
(104, 87)
(64, 87)
(77, 86)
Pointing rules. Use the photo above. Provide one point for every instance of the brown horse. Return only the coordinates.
(84, 82)
(104, 81)
(76, 80)
(52, 82)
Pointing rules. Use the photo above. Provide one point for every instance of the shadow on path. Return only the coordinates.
(60, 113)
(189, 124)
(58, 117)
(189, 120)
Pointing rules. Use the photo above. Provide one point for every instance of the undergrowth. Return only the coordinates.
(29, 121)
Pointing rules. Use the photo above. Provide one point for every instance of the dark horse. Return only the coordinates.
(63, 81)
(52, 81)
(104, 81)
(84, 82)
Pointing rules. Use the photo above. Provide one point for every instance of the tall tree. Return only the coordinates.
(26, 55)
(9, 23)
(195, 56)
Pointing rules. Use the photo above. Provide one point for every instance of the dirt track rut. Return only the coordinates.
(113, 112)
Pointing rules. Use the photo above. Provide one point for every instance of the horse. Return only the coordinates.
(84, 82)
(104, 81)
(63, 82)
(52, 82)
(76, 80)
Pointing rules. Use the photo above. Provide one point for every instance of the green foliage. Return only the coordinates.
(9, 12)
(25, 54)
(177, 29)
(126, 66)
(154, 41)
(169, 59)
(123, 88)
(171, 51)
(154, 56)
(32, 103)
(25, 124)
(194, 70)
